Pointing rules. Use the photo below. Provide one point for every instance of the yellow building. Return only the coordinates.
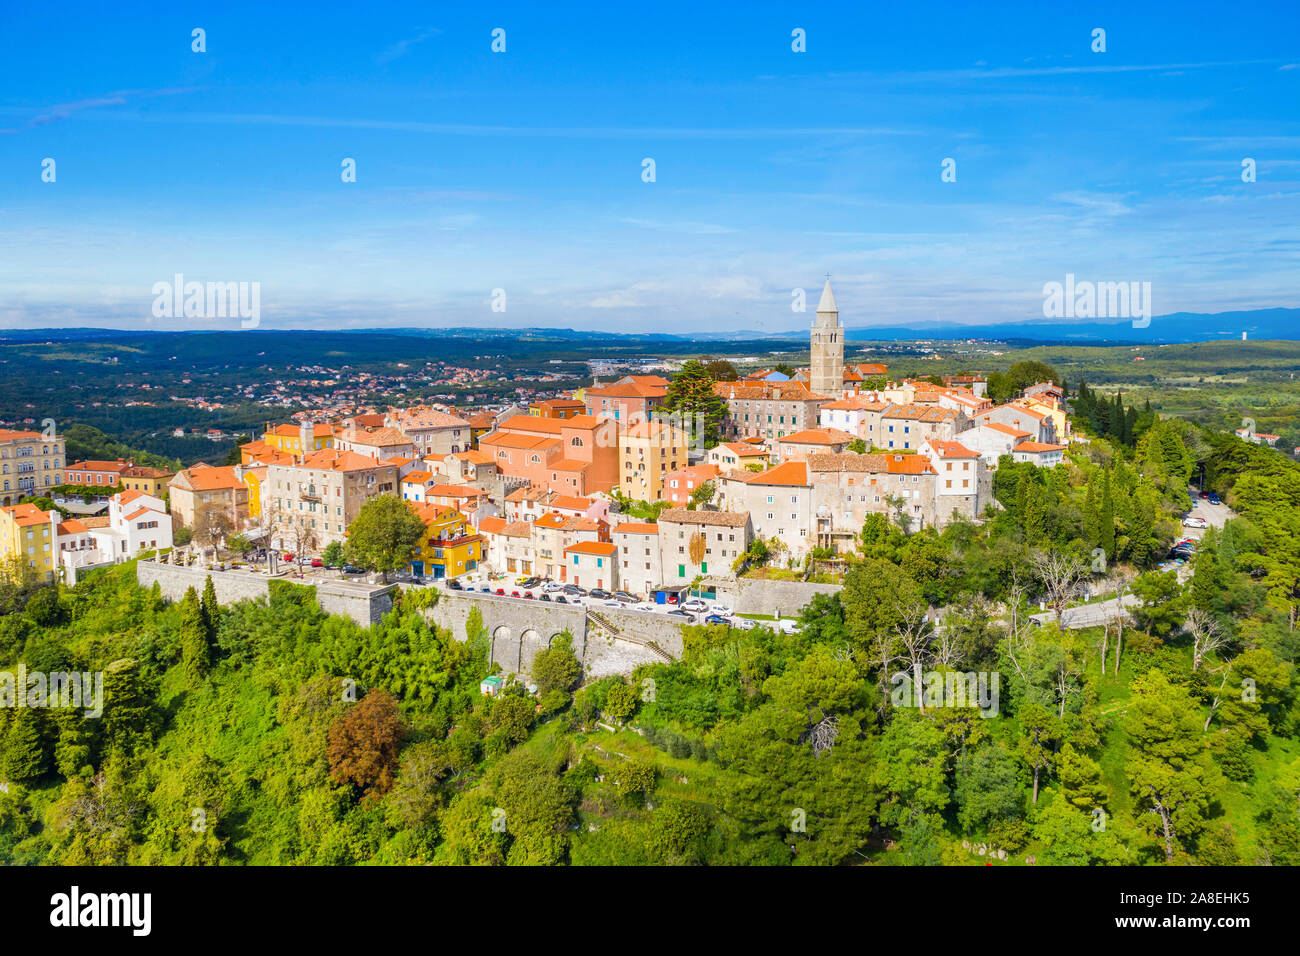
(30, 534)
(150, 481)
(449, 548)
(292, 438)
(253, 478)
(646, 454)
(31, 463)
(1049, 409)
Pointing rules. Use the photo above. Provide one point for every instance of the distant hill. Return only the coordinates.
(1173, 328)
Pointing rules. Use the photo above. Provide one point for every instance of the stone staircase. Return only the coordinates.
(605, 626)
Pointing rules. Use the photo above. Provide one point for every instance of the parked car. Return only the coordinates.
(454, 585)
(530, 582)
(677, 613)
(289, 557)
(1205, 494)
(694, 604)
(561, 599)
(513, 594)
(722, 609)
(574, 589)
(625, 597)
(417, 579)
(544, 597)
(645, 606)
(717, 619)
(600, 594)
(551, 587)
(317, 563)
(502, 592)
(486, 590)
(353, 569)
(1195, 523)
(1214, 499)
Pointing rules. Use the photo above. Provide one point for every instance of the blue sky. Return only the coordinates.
(523, 170)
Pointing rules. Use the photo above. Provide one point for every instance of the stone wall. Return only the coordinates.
(757, 596)
(364, 603)
(610, 641)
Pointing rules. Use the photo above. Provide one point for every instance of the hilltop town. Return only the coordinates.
(625, 470)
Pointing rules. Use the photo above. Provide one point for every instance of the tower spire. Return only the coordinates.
(826, 371)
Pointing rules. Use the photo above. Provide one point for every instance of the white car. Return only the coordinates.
(788, 626)
(743, 623)
(722, 610)
(550, 587)
(694, 605)
(1195, 523)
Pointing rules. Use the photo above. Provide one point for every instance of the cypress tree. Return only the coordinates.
(211, 610)
(194, 640)
(1106, 524)
(126, 702)
(24, 755)
(1091, 516)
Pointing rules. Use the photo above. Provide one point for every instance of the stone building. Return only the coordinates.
(695, 543)
(826, 369)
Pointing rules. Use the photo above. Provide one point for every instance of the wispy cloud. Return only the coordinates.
(403, 47)
(565, 132)
(62, 111)
(692, 228)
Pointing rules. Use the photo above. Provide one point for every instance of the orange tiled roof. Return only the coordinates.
(593, 547)
(951, 449)
(818, 436)
(791, 473)
(209, 478)
(571, 502)
(1006, 429)
(117, 466)
(552, 426)
(908, 465)
(636, 527)
(628, 390)
(1034, 447)
(27, 514)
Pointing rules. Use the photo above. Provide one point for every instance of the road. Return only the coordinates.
(1092, 615)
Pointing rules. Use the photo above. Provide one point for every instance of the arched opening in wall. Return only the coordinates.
(504, 650)
(530, 642)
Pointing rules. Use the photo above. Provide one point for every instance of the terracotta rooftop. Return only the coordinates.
(721, 519)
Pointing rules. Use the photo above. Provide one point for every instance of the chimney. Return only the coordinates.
(306, 434)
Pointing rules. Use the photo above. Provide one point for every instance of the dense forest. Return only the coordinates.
(269, 732)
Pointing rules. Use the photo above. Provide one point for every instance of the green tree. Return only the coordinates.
(1173, 780)
(195, 650)
(24, 749)
(987, 788)
(556, 667)
(384, 534)
(691, 395)
(334, 556)
(621, 702)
